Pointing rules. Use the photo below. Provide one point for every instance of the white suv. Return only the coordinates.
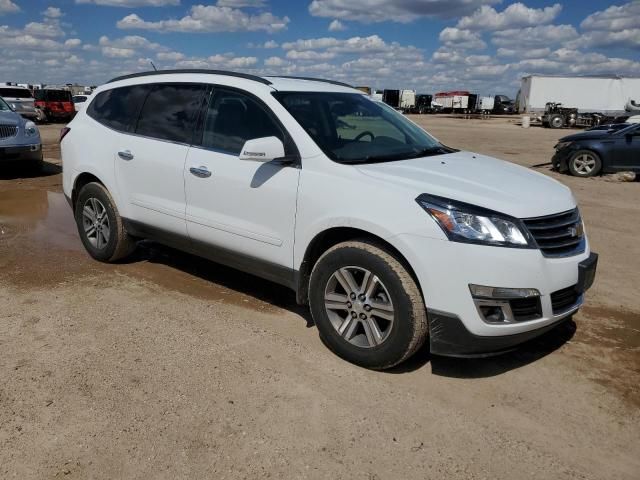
(391, 237)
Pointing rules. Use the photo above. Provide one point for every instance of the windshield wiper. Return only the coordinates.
(424, 152)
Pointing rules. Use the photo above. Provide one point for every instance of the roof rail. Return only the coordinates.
(247, 76)
(333, 82)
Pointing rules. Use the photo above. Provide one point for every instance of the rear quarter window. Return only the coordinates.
(118, 108)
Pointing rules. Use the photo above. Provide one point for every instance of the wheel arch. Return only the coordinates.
(333, 236)
(80, 181)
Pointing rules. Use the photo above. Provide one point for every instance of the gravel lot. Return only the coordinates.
(168, 366)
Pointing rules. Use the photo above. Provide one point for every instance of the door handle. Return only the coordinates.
(125, 155)
(201, 172)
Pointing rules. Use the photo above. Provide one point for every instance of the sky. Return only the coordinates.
(485, 46)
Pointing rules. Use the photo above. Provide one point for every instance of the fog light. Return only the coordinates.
(502, 305)
(492, 313)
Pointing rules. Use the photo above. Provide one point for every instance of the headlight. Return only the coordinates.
(30, 129)
(466, 223)
(562, 145)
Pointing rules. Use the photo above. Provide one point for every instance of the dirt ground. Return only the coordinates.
(168, 366)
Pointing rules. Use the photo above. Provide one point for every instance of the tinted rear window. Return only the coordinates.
(15, 92)
(170, 112)
(57, 96)
(119, 107)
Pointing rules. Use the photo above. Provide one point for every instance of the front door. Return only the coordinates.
(244, 208)
(625, 152)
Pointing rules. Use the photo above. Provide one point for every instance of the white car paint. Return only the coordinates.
(272, 213)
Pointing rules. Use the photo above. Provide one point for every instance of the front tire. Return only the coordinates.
(100, 226)
(585, 163)
(556, 121)
(366, 305)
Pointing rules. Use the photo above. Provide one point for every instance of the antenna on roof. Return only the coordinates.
(154, 67)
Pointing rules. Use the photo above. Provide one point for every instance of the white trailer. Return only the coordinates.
(407, 100)
(485, 104)
(606, 94)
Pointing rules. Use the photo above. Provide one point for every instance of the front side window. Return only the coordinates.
(233, 118)
(170, 112)
(350, 128)
(118, 108)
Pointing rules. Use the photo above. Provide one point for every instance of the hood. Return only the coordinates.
(10, 118)
(479, 180)
(586, 135)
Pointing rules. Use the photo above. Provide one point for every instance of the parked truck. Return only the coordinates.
(607, 95)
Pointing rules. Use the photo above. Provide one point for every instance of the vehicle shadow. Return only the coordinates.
(17, 171)
(468, 368)
(282, 297)
(220, 275)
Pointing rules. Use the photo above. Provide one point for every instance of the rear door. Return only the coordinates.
(244, 207)
(149, 162)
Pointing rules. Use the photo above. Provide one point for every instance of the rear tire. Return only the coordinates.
(366, 305)
(585, 163)
(100, 226)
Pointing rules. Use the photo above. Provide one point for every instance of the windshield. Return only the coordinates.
(351, 128)
(15, 92)
(4, 107)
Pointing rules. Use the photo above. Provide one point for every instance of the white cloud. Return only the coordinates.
(44, 29)
(170, 56)
(130, 41)
(614, 18)
(534, 37)
(275, 62)
(132, 3)
(241, 3)
(52, 12)
(73, 43)
(526, 53)
(210, 18)
(457, 38)
(516, 15)
(616, 26)
(309, 55)
(403, 11)
(115, 52)
(337, 26)
(7, 6)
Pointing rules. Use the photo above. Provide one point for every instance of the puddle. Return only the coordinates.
(620, 328)
(39, 246)
(42, 215)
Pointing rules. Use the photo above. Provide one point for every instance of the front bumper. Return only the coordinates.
(560, 159)
(446, 269)
(20, 153)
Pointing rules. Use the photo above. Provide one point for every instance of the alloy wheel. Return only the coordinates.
(359, 306)
(584, 164)
(95, 222)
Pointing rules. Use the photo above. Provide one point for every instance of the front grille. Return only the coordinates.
(8, 131)
(564, 299)
(558, 235)
(526, 308)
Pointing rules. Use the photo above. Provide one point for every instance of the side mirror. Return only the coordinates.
(262, 149)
